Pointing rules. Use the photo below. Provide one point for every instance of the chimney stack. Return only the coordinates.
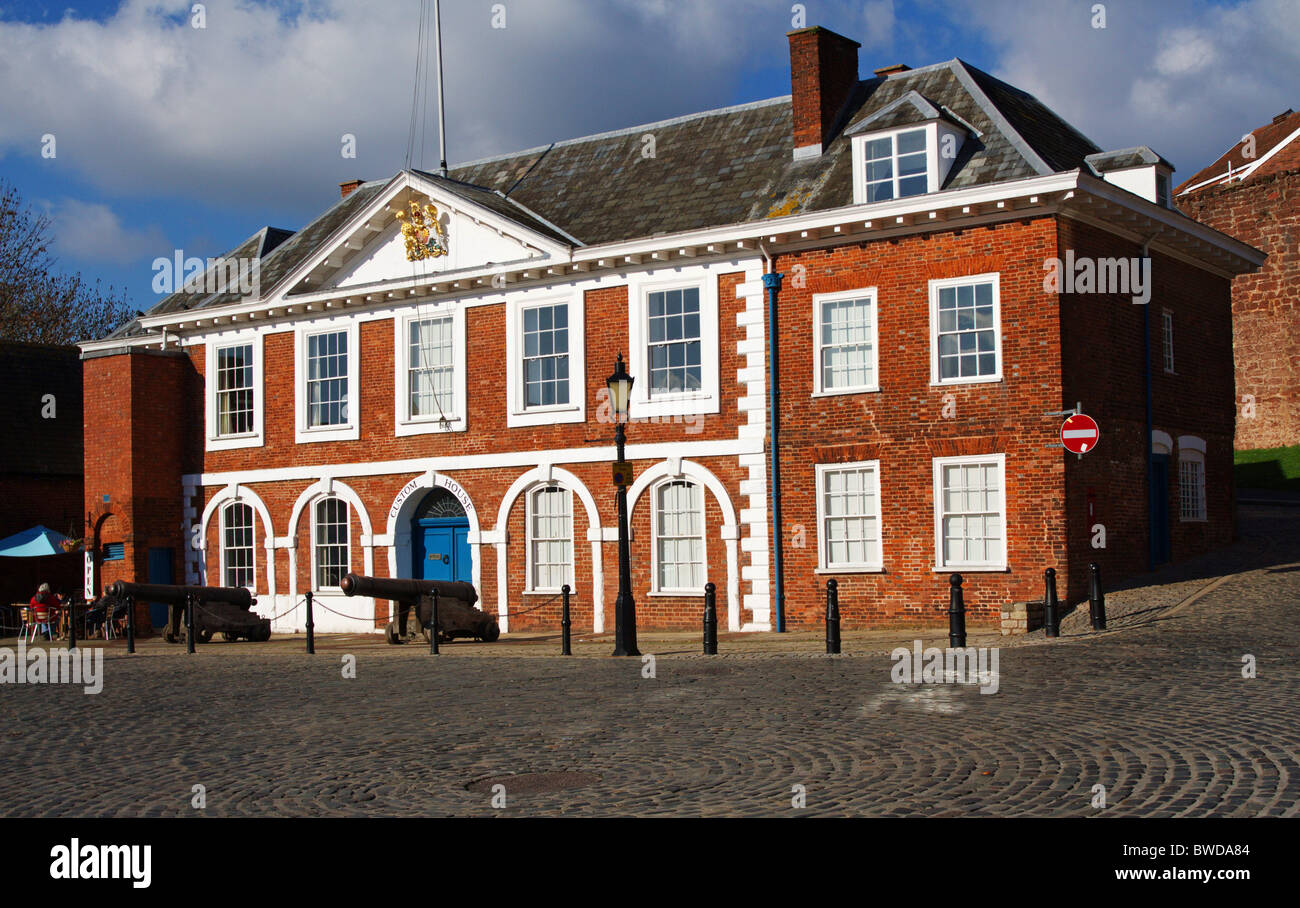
(346, 189)
(823, 75)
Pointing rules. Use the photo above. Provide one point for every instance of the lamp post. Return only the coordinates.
(620, 397)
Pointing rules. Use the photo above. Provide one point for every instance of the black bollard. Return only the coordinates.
(565, 648)
(189, 624)
(1050, 622)
(1096, 598)
(311, 627)
(433, 626)
(832, 617)
(710, 619)
(72, 624)
(130, 623)
(956, 614)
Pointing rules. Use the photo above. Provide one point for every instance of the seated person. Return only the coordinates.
(42, 604)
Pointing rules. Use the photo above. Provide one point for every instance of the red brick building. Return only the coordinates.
(1252, 192)
(416, 385)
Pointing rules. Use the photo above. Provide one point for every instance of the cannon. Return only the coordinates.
(457, 616)
(217, 609)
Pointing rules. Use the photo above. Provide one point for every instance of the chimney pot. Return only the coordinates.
(823, 76)
(347, 188)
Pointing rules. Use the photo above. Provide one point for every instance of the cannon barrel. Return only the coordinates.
(404, 590)
(175, 595)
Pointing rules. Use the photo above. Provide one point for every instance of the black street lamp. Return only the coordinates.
(620, 398)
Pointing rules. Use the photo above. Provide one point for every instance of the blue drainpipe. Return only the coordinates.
(772, 281)
(1146, 358)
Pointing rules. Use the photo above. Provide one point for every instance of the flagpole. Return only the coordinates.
(442, 121)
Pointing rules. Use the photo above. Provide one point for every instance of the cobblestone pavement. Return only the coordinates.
(1157, 712)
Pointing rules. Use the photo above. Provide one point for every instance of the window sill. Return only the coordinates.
(545, 416)
(429, 426)
(675, 594)
(233, 442)
(847, 391)
(971, 569)
(850, 569)
(955, 382)
(555, 593)
(327, 433)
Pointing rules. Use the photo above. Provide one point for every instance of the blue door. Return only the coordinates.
(440, 549)
(440, 539)
(160, 571)
(1159, 508)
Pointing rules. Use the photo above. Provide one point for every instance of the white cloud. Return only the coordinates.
(92, 232)
(1186, 77)
(256, 104)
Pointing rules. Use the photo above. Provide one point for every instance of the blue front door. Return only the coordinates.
(160, 571)
(440, 549)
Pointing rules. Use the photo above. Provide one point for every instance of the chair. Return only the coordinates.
(37, 619)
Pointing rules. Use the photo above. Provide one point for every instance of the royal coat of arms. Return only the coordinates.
(425, 238)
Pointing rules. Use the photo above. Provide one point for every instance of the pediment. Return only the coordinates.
(443, 228)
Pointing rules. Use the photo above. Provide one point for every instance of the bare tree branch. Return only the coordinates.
(38, 304)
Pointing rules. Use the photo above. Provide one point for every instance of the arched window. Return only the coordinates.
(331, 537)
(238, 566)
(1191, 478)
(550, 538)
(679, 537)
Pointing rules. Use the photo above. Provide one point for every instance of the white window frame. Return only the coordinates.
(937, 166)
(1167, 340)
(706, 400)
(347, 566)
(1191, 450)
(655, 588)
(214, 440)
(938, 463)
(221, 546)
(819, 388)
(576, 409)
(893, 137)
(529, 583)
(874, 565)
(995, 279)
(457, 417)
(351, 431)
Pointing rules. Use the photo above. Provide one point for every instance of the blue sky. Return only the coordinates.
(173, 137)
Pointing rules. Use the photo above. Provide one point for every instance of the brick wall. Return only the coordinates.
(1264, 212)
(902, 424)
(137, 462)
(1102, 358)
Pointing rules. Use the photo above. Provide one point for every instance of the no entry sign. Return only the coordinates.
(1080, 434)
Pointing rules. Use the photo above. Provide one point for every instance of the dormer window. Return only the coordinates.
(896, 166)
(905, 149)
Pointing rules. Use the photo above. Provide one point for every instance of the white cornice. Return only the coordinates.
(1065, 193)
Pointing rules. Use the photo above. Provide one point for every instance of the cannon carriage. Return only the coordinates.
(457, 614)
(217, 609)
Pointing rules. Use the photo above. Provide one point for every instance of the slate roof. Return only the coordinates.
(1106, 161)
(721, 167)
(1267, 138)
